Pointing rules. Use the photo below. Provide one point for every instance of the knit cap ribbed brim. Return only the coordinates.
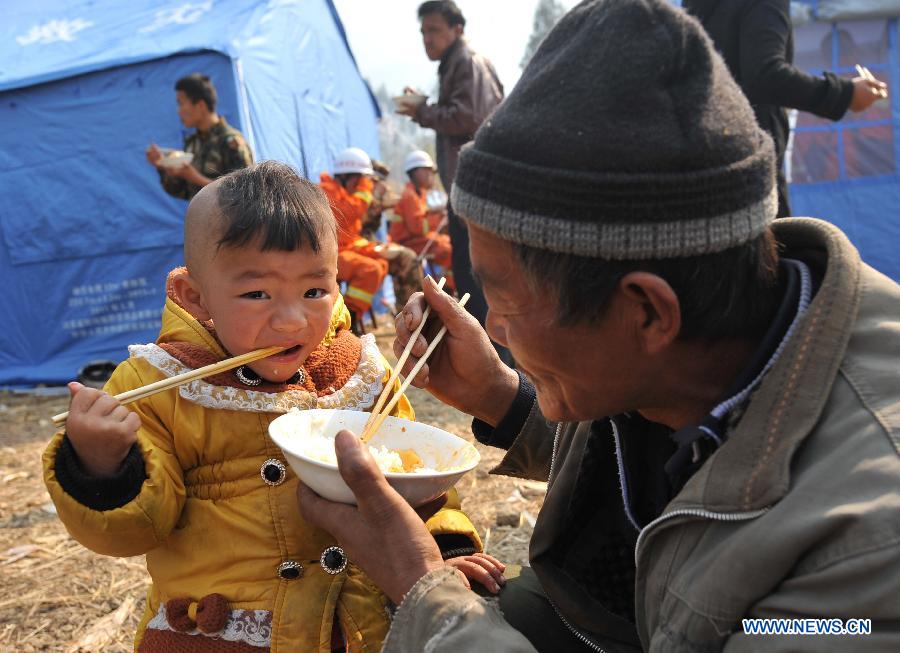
(625, 138)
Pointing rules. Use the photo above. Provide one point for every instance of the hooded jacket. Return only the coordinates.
(795, 516)
(216, 512)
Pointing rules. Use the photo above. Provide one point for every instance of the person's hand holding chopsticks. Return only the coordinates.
(464, 371)
(100, 430)
(866, 90)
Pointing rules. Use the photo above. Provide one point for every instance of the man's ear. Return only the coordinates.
(655, 309)
(189, 296)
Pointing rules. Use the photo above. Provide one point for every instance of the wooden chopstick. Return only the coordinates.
(367, 434)
(865, 73)
(180, 379)
(400, 363)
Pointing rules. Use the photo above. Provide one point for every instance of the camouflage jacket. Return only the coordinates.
(217, 152)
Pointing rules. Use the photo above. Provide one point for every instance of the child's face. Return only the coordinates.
(271, 298)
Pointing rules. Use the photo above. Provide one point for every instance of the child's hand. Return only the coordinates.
(481, 567)
(100, 429)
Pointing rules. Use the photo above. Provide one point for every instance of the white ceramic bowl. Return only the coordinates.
(450, 455)
(411, 100)
(175, 159)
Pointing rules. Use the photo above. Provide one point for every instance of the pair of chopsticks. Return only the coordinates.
(180, 379)
(866, 74)
(380, 412)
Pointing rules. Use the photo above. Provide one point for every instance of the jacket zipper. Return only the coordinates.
(696, 512)
(553, 455)
(681, 512)
(584, 639)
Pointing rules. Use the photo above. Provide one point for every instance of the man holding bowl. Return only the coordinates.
(469, 91)
(713, 396)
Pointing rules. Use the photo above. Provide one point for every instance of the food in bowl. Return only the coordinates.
(317, 446)
(175, 158)
(420, 461)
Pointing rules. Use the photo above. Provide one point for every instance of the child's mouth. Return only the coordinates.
(287, 353)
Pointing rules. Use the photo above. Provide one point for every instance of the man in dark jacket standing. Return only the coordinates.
(756, 40)
(469, 91)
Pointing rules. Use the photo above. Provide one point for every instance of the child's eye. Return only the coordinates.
(255, 294)
(315, 293)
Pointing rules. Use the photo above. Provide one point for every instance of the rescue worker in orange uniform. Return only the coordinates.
(360, 263)
(417, 225)
(404, 268)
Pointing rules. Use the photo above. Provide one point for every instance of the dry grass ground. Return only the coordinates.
(56, 595)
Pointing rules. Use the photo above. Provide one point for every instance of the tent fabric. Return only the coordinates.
(856, 9)
(848, 172)
(87, 234)
(803, 11)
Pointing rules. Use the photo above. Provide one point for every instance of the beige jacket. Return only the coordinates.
(797, 515)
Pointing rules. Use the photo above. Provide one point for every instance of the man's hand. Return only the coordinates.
(154, 155)
(464, 371)
(866, 92)
(100, 429)
(383, 535)
(482, 568)
(410, 109)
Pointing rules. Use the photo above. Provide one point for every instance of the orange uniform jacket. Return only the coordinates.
(359, 265)
(349, 210)
(415, 223)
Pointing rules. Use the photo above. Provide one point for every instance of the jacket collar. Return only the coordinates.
(219, 128)
(752, 469)
(449, 53)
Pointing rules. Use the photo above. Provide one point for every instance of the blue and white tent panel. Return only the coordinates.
(87, 235)
(848, 172)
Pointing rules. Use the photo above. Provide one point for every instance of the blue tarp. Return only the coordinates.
(848, 172)
(86, 233)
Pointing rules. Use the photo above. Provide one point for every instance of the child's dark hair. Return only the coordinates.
(269, 201)
(198, 87)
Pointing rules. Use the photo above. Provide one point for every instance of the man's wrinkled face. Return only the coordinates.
(437, 35)
(189, 112)
(580, 372)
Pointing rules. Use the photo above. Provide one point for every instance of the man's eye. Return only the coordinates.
(255, 294)
(315, 293)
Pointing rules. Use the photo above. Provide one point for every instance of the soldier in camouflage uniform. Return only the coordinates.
(218, 148)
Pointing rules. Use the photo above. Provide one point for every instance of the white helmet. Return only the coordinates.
(353, 161)
(418, 159)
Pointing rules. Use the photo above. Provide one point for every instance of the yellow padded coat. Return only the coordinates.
(206, 519)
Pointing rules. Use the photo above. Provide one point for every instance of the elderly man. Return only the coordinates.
(469, 90)
(713, 397)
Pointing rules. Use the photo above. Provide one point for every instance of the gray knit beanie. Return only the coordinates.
(625, 138)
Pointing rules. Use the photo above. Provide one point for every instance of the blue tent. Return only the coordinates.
(848, 172)
(86, 233)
